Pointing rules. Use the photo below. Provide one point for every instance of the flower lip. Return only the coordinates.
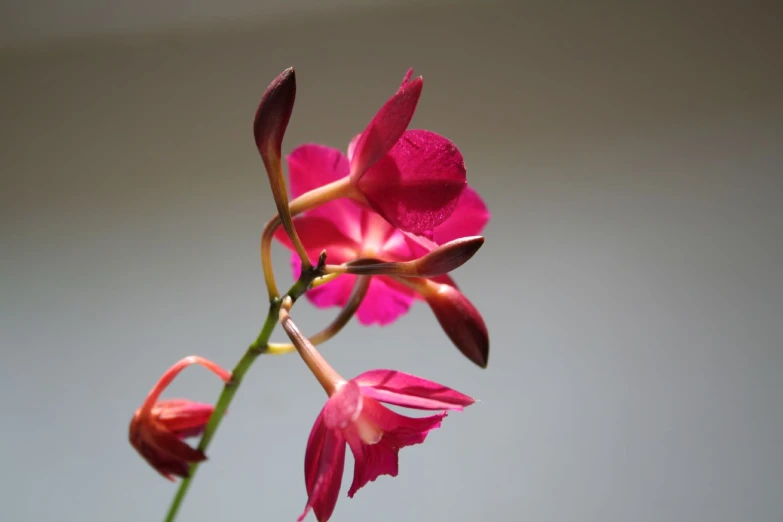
(344, 406)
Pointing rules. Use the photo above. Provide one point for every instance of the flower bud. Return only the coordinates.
(157, 435)
(460, 320)
(158, 427)
(269, 127)
(441, 260)
(272, 118)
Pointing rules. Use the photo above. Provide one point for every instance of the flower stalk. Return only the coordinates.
(308, 201)
(258, 347)
(339, 322)
(396, 216)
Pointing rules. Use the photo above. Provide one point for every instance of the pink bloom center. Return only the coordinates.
(344, 411)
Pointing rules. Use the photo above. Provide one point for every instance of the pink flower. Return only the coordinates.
(354, 415)
(157, 435)
(158, 427)
(412, 178)
(349, 231)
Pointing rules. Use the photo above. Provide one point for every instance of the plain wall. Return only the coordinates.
(631, 279)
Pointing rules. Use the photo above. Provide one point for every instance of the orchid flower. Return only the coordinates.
(348, 231)
(354, 415)
(158, 427)
(387, 223)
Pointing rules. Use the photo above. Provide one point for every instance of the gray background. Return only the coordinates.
(631, 280)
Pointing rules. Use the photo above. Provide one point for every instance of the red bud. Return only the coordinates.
(461, 322)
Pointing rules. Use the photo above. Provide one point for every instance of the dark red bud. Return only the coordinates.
(461, 322)
(274, 112)
(440, 261)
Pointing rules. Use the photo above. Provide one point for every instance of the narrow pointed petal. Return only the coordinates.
(469, 218)
(274, 112)
(171, 444)
(384, 303)
(271, 121)
(386, 127)
(406, 431)
(371, 461)
(404, 389)
(417, 185)
(461, 322)
(447, 257)
(313, 166)
(182, 417)
(324, 464)
(407, 78)
(319, 233)
(162, 462)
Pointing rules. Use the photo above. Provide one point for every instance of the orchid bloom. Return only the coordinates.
(354, 415)
(158, 427)
(349, 231)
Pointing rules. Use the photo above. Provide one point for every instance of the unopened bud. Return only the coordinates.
(460, 320)
(440, 261)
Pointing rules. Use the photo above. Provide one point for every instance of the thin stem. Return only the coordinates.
(229, 390)
(277, 182)
(339, 322)
(172, 373)
(314, 198)
(321, 369)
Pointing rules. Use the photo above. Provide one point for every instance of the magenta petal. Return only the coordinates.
(469, 218)
(404, 389)
(352, 146)
(318, 233)
(183, 417)
(384, 303)
(386, 127)
(343, 406)
(417, 185)
(399, 429)
(311, 166)
(324, 463)
(407, 78)
(371, 461)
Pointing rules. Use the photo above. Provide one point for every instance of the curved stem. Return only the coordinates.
(229, 390)
(172, 372)
(314, 198)
(339, 322)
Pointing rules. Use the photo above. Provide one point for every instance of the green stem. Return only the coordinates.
(231, 387)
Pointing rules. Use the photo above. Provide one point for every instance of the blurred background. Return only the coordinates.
(631, 154)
